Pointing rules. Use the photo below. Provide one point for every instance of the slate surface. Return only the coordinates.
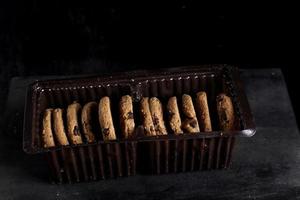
(266, 166)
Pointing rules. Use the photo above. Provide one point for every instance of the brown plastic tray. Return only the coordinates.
(144, 155)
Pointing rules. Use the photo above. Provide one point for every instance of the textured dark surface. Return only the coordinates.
(264, 166)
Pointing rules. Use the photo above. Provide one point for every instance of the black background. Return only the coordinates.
(61, 37)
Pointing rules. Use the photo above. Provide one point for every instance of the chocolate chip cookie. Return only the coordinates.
(147, 117)
(225, 112)
(105, 119)
(190, 124)
(59, 128)
(73, 111)
(157, 116)
(86, 120)
(203, 112)
(126, 116)
(174, 116)
(47, 134)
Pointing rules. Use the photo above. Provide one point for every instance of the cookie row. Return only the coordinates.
(153, 121)
(151, 113)
(153, 116)
(54, 117)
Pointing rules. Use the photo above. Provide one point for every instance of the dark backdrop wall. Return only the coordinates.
(60, 37)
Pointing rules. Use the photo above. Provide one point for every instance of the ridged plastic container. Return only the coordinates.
(143, 155)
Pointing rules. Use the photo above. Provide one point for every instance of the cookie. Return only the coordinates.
(59, 128)
(72, 121)
(47, 134)
(203, 112)
(146, 117)
(225, 112)
(105, 119)
(126, 116)
(157, 116)
(86, 121)
(190, 124)
(174, 116)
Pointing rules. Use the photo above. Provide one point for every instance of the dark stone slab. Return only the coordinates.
(265, 166)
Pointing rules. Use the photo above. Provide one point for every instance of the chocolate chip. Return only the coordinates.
(76, 130)
(152, 128)
(130, 115)
(155, 120)
(193, 123)
(220, 98)
(224, 116)
(105, 131)
(171, 114)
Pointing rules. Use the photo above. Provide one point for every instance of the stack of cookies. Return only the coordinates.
(80, 125)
